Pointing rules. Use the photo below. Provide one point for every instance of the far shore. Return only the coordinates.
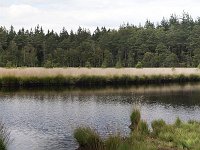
(44, 72)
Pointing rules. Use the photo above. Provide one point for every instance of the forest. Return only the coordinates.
(173, 42)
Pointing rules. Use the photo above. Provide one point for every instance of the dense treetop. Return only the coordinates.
(174, 42)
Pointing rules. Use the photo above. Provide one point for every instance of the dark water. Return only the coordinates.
(45, 120)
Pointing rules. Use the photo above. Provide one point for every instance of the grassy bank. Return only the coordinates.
(26, 77)
(94, 80)
(162, 136)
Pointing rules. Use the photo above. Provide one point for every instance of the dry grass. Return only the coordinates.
(45, 72)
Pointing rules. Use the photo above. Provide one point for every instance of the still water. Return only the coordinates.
(45, 119)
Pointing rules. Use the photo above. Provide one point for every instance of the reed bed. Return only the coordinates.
(25, 77)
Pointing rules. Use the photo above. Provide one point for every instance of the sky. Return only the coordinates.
(56, 14)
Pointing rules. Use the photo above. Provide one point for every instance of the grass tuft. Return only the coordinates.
(4, 137)
(135, 119)
(87, 138)
(157, 126)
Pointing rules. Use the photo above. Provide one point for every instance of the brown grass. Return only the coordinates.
(45, 72)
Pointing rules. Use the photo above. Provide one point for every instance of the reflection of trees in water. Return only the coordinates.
(186, 98)
(174, 95)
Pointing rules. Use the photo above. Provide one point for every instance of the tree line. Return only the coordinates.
(174, 42)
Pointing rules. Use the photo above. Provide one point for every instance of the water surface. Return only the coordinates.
(45, 119)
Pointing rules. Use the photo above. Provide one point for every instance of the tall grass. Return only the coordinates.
(87, 80)
(87, 138)
(177, 136)
(135, 119)
(4, 137)
(95, 76)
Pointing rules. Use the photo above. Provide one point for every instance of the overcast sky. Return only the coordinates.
(55, 14)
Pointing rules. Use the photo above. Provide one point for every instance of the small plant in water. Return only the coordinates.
(86, 137)
(4, 137)
(135, 119)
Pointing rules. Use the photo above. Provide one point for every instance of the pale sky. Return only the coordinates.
(56, 14)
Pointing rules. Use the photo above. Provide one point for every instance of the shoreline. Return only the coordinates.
(95, 77)
(70, 71)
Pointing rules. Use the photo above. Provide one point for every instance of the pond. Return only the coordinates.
(46, 119)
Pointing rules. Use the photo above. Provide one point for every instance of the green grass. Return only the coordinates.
(178, 136)
(4, 137)
(93, 80)
(87, 138)
(135, 119)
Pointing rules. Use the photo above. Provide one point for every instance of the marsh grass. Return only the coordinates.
(4, 137)
(88, 138)
(93, 80)
(177, 136)
(135, 119)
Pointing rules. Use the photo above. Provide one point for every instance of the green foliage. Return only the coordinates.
(157, 126)
(178, 122)
(135, 119)
(89, 80)
(173, 42)
(138, 65)
(118, 64)
(104, 64)
(113, 142)
(198, 66)
(173, 69)
(87, 64)
(9, 64)
(147, 60)
(143, 127)
(86, 137)
(48, 64)
(179, 135)
(4, 137)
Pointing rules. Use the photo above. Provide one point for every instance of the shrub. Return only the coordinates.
(87, 64)
(173, 69)
(48, 64)
(198, 66)
(9, 64)
(138, 65)
(118, 64)
(86, 137)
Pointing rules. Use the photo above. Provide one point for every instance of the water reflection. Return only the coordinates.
(45, 119)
